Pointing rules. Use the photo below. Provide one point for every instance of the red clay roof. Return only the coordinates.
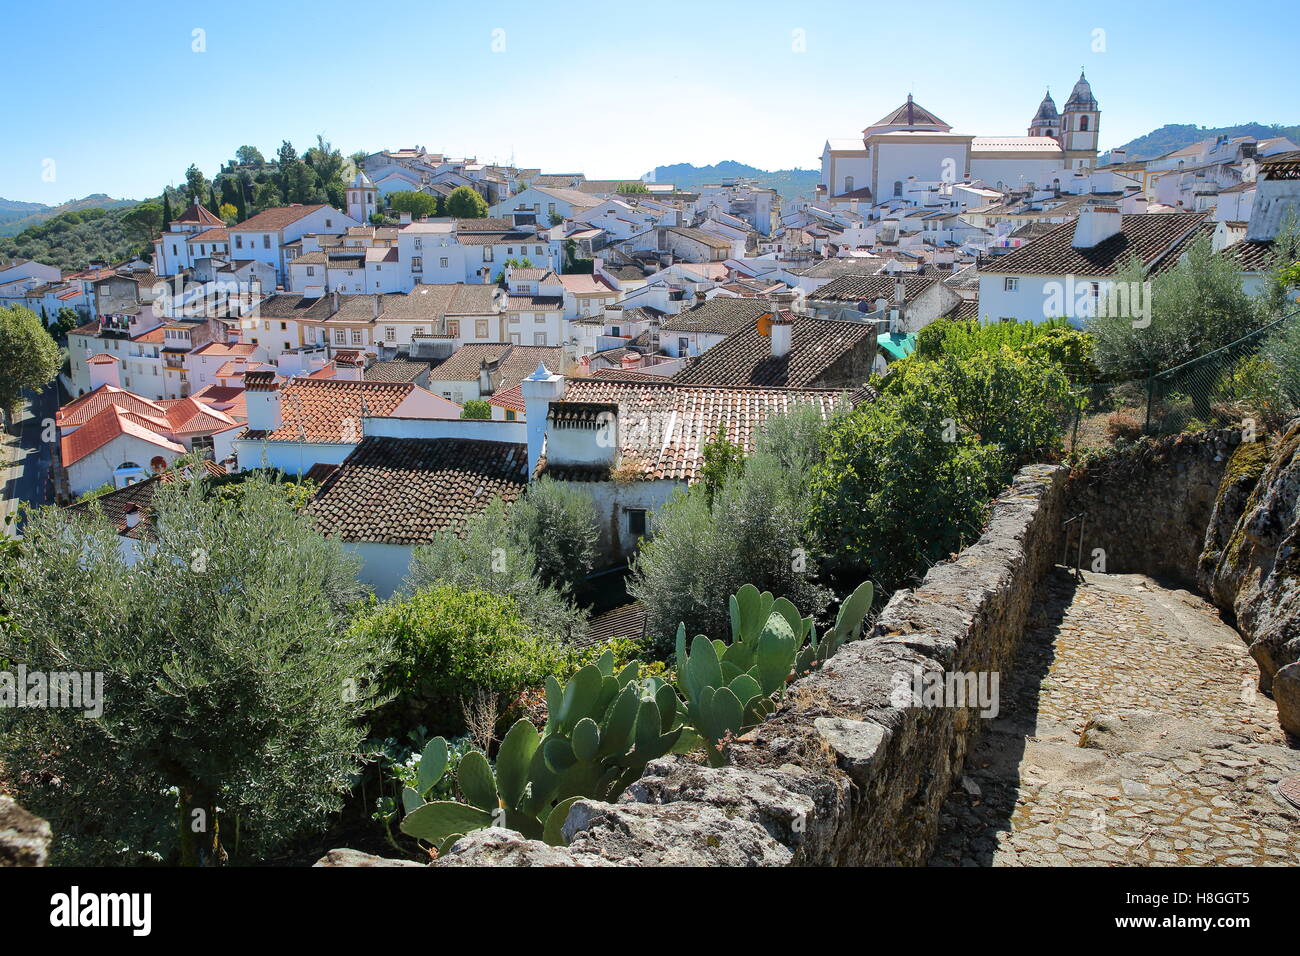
(663, 426)
(330, 409)
(83, 409)
(200, 214)
(272, 220)
(109, 423)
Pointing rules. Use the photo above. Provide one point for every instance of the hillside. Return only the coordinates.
(1177, 135)
(16, 216)
(790, 183)
(71, 240)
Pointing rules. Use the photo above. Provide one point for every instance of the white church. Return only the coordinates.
(911, 148)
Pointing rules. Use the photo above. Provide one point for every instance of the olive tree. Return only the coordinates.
(233, 691)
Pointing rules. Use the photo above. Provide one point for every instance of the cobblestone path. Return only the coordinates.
(1130, 733)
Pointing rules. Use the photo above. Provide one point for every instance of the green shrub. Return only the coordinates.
(450, 644)
(488, 558)
(749, 530)
(900, 485)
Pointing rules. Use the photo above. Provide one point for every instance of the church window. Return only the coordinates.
(1083, 123)
(848, 184)
(898, 187)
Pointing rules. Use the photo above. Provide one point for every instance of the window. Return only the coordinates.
(539, 338)
(417, 263)
(329, 223)
(1010, 284)
(419, 245)
(239, 242)
(284, 326)
(453, 328)
(287, 347)
(266, 241)
(539, 251)
(510, 414)
(1083, 123)
(848, 184)
(539, 317)
(340, 337)
(356, 337)
(442, 263)
(898, 187)
(487, 253)
(480, 328)
(390, 333)
(636, 521)
(550, 208)
(683, 345)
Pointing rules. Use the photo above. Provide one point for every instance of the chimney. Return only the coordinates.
(1096, 224)
(539, 390)
(334, 301)
(900, 291)
(377, 305)
(262, 396)
(781, 329)
(131, 513)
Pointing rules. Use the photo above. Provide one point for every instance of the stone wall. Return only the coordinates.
(839, 775)
(1148, 505)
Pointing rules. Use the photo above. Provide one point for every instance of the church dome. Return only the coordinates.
(1046, 109)
(1081, 97)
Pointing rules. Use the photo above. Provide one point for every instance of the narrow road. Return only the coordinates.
(26, 457)
(1131, 733)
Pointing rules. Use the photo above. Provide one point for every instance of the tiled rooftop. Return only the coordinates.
(405, 490)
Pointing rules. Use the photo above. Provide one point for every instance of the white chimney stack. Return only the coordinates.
(262, 397)
(539, 390)
(131, 513)
(781, 330)
(1096, 224)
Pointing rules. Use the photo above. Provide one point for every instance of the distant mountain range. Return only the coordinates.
(16, 216)
(1174, 136)
(789, 183)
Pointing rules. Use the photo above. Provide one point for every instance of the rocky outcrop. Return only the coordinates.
(1255, 574)
(351, 858)
(1235, 489)
(24, 837)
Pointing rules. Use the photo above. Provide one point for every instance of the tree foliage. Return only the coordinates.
(233, 688)
(419, 205)
(487, 557)
(559, 524)
(1196, 307)
(750, 529)
(29, 358)
(464, 202)
(476, 408)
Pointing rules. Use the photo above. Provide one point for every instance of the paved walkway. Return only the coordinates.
(1130, 733)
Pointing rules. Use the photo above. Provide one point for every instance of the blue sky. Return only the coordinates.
(122, 103)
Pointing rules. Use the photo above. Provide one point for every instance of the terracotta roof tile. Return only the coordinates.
(663, 426)
(330, 409)
(406, 490)
(1146, 235)
(745, 357)
(271, 220)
